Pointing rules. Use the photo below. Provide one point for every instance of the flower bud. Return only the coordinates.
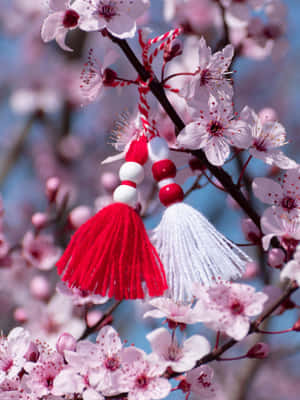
(40, 288)
(259, 350)
(251, 270)
(251, 231)
(276, 258)
(32, 353)
(93, 317)
(109, 181)
(79, 215)
(39, 220)
(172, 51)
(52, 186)
(65, 342)
(20, 315)
(296, 326)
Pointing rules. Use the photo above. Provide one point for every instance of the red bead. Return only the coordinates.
(138, 151)
(163, 169)
(170, 194)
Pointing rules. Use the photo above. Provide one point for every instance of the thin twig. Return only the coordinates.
(89, 330)
(16, 149)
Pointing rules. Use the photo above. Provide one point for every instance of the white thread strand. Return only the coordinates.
(192, 250)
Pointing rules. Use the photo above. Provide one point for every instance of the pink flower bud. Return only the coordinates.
(52, 186)
(251, 270)
(93, 317)
(20, 315)
(259, 350)
(109, 181)
(40, 288)
(296, 326)
(79, 215)
(267, 114)
(70, 148)
(65, 342)
(39, 220)
(32, 353)
(251, 231)
(276, 258)
(172, 51)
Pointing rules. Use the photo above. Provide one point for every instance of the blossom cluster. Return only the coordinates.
(33, 369)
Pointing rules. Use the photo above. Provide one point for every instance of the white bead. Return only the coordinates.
(132, 171)
(158, 149)
(125, 194)
(165, 182)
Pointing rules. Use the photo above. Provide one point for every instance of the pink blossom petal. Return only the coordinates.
(109, 341)
(217, 150)
(51, 25)
(239, 329)
(91, 23)
(160, 339)
(134, 9)
(159, 388)
(91, 394)
(122, 26)
(277, 157)
(204, 53)
(58, 5)
(193, 136)
(267, 190)
(67, 382)
(197, 342)
(61, 37)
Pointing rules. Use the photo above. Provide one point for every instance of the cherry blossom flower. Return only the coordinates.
(95, 76)
(117, 16)
(12, 353)
(228, 307)
(285, 195)
(40, 378)
(64, 16)
(39, 251)
(167, 308)
(210, 76)
(277, 224)
(200, 381)
(265, 138)
(214, 131)
(179, 358)
(143, 376)
(292, 269)
(75, 377)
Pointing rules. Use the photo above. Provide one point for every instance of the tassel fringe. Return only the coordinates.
(192, 250)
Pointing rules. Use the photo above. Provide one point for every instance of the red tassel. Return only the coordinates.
(112, 255)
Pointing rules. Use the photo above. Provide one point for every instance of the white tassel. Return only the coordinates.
(192, 250)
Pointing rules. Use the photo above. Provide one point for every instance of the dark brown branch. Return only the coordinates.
(159, 93)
